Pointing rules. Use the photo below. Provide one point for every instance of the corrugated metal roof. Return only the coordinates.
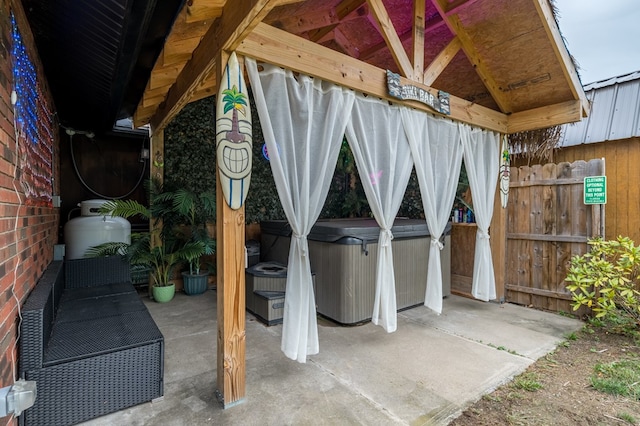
(615, 112)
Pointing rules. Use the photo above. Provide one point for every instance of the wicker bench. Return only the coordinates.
(89, 342)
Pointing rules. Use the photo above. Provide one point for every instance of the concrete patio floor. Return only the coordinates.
(425, 373)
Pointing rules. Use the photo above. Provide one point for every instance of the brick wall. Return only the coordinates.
(27, 232)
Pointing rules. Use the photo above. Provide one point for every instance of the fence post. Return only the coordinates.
(498, 241)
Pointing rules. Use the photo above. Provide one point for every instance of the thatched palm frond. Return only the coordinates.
(536, 144)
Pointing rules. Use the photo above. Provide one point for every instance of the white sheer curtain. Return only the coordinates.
(437, 154)
(482, 161)
(380, 148)
(303, 121)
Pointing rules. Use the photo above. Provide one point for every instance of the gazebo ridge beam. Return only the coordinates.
(418, 40)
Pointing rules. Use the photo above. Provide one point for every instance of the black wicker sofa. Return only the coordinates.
(89, 342)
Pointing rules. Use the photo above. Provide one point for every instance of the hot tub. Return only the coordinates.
(343, 254)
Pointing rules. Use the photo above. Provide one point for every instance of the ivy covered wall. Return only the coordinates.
(190, 163)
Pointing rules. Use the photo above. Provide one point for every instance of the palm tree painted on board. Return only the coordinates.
(234, 144)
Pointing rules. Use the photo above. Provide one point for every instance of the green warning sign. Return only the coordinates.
(595, 190)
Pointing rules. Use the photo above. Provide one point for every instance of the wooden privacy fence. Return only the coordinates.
(547, 224)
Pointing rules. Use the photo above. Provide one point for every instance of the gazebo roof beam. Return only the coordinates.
(295, 53)
(441, 61)
(418, 39)
(388, 32)
(553, 32)
(456, 27)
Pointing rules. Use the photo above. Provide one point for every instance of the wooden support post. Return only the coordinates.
(498, 241)
(230, 232)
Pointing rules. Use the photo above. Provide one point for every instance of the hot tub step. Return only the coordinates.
(266, 276)
(268, 306)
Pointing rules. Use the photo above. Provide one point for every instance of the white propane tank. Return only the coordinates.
(92, 229)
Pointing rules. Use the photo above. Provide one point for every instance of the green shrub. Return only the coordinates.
(606, 280)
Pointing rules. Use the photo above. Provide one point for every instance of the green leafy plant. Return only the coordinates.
(160, 250)
(194, 210)
(605, 280)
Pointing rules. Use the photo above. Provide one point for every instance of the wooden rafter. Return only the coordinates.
(308, 22)
(547, 116)
(206, 88)
(550, 26)
(372, 50)
(454, 6)
(164, 75)
(280, 48)
(456, 27)
(200, 10)
(441, 61)
(430, 25)
(179, 51)
(347, 9)
(236, 22)
(345, 44)
(185, 80)
(388, 32)
(418, 39)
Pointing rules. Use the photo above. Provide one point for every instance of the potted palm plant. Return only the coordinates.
(195, 210)
(160, 250)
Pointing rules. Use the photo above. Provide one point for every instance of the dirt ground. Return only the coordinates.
(566, 396)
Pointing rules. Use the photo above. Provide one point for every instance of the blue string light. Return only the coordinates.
(34, 124)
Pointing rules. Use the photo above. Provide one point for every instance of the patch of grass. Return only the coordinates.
(627, 418)
(618, 378)
(571, 336)
(521, 418)
(528, 382)
(491, 398)
(512, 396)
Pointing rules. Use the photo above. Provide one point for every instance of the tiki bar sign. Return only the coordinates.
(439, 104)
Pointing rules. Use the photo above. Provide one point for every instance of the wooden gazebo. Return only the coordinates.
(502, 62)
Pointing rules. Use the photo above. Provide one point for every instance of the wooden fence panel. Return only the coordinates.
(547, 224)
(623, 174)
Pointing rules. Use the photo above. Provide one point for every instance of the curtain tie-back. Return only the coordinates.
(436, 241)
(483, 234)
(302, 247)
(389, 236)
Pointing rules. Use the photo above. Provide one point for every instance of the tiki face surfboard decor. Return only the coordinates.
(505, 171)
(233, 135)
